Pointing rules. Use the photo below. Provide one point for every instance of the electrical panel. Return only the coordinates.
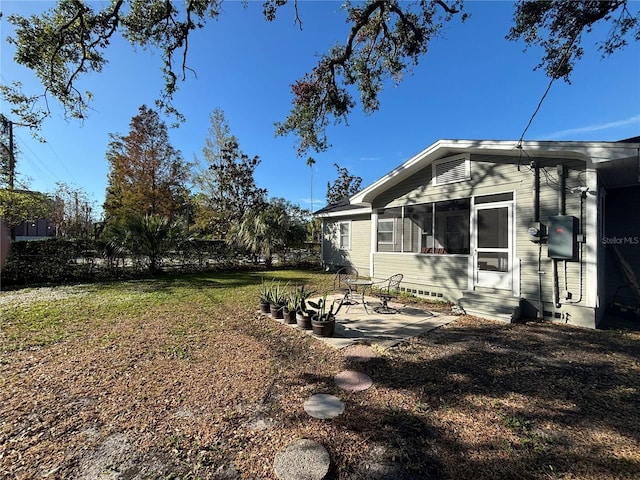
(562, 239)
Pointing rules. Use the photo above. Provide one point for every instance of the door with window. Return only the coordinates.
(494, 245)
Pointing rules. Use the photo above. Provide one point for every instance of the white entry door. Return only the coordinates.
(493, 245)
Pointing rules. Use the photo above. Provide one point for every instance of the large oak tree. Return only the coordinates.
(386, 39)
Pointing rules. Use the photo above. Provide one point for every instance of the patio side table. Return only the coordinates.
(354, 291)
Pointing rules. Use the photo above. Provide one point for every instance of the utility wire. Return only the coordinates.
(63, 164)
(553, 79)
(32, 158)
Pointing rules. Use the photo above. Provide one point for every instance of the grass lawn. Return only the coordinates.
(181, 377)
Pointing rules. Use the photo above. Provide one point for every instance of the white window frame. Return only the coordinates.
(341, 245)
(467, 168)
(393, 230)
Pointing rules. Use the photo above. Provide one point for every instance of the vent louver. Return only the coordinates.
(449, 171)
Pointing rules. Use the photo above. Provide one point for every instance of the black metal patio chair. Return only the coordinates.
(342, 284)
(389, 290)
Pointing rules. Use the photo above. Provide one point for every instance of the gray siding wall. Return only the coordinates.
(490, 175)
(359, 252)
(440, 276)
(534, 257)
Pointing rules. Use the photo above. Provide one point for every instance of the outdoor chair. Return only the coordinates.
(341, 283)
(389, 289)
(342, 279)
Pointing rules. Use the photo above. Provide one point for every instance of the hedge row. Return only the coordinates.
(56, 260)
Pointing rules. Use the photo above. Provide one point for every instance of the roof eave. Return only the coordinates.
(591, 152)
(357, 210)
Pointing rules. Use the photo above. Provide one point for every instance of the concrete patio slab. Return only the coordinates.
(354, 325)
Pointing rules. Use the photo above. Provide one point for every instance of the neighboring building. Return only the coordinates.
(15, 202)
(35, 230)
(544, 229)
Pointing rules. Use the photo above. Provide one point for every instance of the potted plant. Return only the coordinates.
(264, 298)
(323, 323)
(277, 301)
(289, 310)
(303, 313)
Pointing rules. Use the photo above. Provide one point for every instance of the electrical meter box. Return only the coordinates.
(562, 239)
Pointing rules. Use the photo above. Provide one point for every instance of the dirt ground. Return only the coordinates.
(189, 390)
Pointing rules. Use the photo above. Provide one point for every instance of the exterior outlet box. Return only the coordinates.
(562, 240)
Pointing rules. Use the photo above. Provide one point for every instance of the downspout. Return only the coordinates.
(536, 192)
(562, 175)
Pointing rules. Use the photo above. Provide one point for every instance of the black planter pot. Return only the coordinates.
(276, 311)
(289, 316)
(264, 307)
(304, 319)
(323, 328)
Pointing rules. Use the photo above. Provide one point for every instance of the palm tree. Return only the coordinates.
(267, 230)
(310, 162)
(152, 236)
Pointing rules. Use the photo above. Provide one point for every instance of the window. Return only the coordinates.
(440, 227)
(385, 231)
(344, 240)
(390, 230)
(451, 169)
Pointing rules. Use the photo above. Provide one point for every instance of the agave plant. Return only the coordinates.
(300, 298)
(279, 294)
(265, 292)
(325, 311)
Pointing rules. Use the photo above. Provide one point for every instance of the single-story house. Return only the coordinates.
(505, 229)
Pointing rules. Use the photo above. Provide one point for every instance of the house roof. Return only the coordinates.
(341, 208)
(619, 162)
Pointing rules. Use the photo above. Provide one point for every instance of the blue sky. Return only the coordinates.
(472, 84)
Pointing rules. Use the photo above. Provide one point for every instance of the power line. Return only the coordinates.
(546, 92)
(63, 164)
(33, 157)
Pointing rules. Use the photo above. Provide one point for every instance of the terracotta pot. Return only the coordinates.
(323, 328)
(304, 319)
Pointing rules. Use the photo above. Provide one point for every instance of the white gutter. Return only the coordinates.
(357, 210)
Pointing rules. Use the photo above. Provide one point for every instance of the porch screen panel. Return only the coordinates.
(421, 218)
(452, 231)
(493, 228)
(410, 235)
(432, 228)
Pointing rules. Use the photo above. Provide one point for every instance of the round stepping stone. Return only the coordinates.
(323, 406)
(353, 381)
(359, 353)
(302, 460)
